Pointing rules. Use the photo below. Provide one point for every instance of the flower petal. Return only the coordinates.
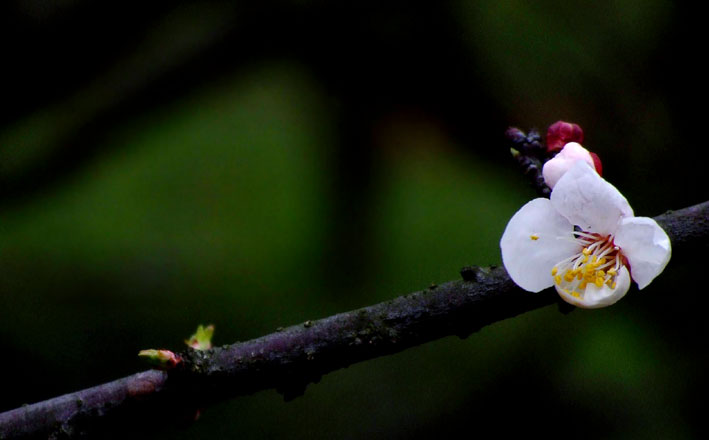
(534, 242)
(596, 297)
(646, 246)
(555, 168)
(588, 201)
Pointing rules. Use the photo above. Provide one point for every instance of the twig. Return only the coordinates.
(290, 359)
(530, 153)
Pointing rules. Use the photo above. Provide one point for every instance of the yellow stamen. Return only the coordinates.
(534, 237)
(597, 264)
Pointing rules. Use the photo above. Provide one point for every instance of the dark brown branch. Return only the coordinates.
(529, 151)
(290, 359)
(64, 415)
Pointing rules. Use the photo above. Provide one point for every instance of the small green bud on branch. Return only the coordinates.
(161, 359)
(202, 339)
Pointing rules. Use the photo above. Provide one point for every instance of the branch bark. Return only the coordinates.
(290, 359)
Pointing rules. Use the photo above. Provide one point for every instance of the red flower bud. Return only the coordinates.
(560, 133)
(597, 163)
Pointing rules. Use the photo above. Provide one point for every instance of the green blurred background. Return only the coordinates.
(256, 164)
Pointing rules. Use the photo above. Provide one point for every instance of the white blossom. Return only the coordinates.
(584, 241)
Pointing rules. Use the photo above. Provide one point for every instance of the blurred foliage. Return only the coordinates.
(254, 165)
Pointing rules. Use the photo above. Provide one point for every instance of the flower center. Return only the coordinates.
(597, 264)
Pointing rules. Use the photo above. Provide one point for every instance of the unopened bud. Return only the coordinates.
(560, 133)
(162, 359)
(597, 163)
(515, 135)
(202, 339)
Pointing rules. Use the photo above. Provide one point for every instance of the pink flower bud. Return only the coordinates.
(560, 133)
(564, 161)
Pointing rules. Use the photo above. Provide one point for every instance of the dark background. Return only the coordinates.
(256, 164)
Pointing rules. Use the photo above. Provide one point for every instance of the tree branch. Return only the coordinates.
(290, 359)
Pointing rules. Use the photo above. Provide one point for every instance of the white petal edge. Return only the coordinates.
(596, 297)
(588, 201)
(532, 244)
(646, 246)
